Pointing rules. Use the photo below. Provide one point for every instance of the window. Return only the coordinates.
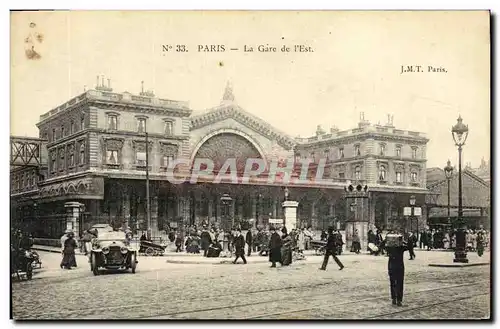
(71, 127)
(341, 175)
(46, 136)
(71, 160)
(53, 164)
(82, 154)
(414, 152)
(357, 151)
(33, 178)
(382, 173)
(414, 177)
(112, 122)
(357, 173)
(112, 157)
(167, 159)
(22, 181)
(82, 122)
(382, 149)
(312, 156)
(398, 177)
(341, 152)
(398, 151)
(61, 156)
(140, 158)
(62, 131)
(141, 125)
(326, 154)
(169, 128)
(53, 135)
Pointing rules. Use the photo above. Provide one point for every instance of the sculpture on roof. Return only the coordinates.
(228, 93)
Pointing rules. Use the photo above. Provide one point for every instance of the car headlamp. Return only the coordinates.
(124, 250)
(105, 250)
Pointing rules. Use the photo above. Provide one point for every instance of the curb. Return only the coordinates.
(220, 262)
(459, 265)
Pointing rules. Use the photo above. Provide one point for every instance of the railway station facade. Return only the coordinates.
(95, 154)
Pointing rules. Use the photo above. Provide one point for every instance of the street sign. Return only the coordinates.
(417, 211)
(407, 211)
(275, 221)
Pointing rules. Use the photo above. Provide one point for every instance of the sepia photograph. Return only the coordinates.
(250, 165)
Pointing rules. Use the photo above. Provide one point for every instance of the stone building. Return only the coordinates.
(96, 151)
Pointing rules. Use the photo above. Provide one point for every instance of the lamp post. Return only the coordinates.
(460, 132)
(226, 201)
(448, 171)
(413, 200)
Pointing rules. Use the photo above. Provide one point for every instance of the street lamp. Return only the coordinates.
(448, 172)
(413, 200)
(226, 200)
(460, 132)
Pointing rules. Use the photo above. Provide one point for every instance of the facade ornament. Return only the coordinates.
(140, 145)
(113, 143)
(169, 149)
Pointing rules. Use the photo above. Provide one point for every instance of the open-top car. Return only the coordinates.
(111, 251)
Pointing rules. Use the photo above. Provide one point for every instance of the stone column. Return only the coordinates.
(254, 210)
(314, 217)
(126, 209)
(231, 211)
(240, 206)
(210, 208)
(274, 205)
(154, 217)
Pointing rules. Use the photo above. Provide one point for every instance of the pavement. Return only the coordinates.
(162, 290)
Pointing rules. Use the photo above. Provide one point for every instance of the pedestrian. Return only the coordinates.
(480, 239)
(205, 241)
(274, 247)
(412, 241)
(179, 241)
(286, 248)
(395, 247)
(249, 241)
(239, 246)
(70, 245)
(356, 243)
(330, 251)
(301, 241)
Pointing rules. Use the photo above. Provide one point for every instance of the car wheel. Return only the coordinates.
(133, 263)
(93, 264)
(150, 252)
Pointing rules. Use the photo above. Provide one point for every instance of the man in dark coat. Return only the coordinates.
(275, 248)
(412, 242)
(331, 250)
(205, 242)
(396, 267)
(239, 246)
(69, 259)
(249, 240)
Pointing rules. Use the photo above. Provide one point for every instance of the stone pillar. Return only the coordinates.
(290, 208)
(274, 205)
(210, 209)
(154, 217)
(231, 211)
(126, 210)
(254, 211)
(73, 210)
(240, 206)
(314, 217)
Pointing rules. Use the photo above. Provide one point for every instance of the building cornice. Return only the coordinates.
(238, 114)
(336, 140)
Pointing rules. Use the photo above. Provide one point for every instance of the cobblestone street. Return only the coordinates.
(161, 290)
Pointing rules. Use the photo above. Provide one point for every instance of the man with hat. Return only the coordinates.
(395, 247)
(331, 249)
(239, 246)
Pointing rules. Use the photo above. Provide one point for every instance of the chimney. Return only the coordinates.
(97, 84)
(109, 83)
(102, 77)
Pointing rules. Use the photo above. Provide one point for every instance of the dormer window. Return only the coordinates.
(112, 121)
(169, 127)
(398, 151)
(382, 149)
(382, 173)
(357, 173)
(414, 152)
(141, 125)
(357, 150)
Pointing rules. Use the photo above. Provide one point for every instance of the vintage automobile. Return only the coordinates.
(111, 251)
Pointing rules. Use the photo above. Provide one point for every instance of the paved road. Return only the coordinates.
(160, 290)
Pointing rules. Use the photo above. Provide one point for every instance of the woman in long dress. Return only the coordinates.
(69, 259)
(274, 247)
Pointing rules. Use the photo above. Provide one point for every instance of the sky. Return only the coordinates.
(355, 67)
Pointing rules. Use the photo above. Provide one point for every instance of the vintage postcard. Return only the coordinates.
(208, 164)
